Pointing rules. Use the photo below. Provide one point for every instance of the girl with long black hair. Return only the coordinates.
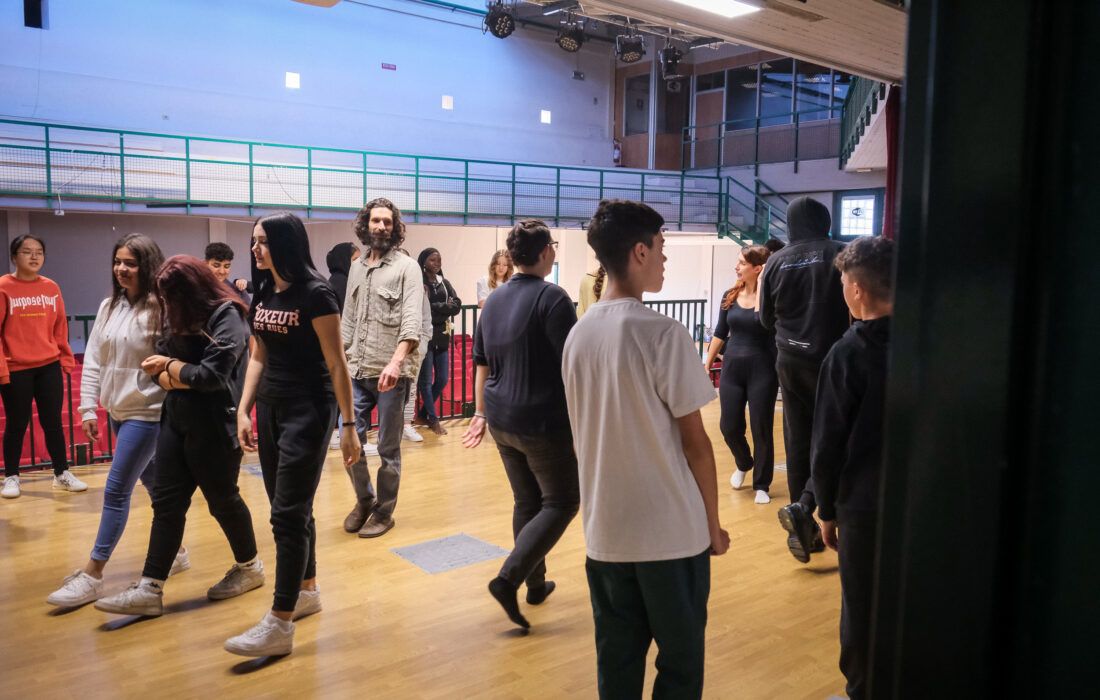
(296, 369)
(126, 330)
(200, 364)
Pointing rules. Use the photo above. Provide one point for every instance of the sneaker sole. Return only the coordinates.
(793, 543)
(71, 603)
(226, 596)
(56, 487)
(11, 495)
(273, 650)
(118, 610)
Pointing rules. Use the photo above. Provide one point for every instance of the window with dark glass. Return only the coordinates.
(813, 86)
(741, 98)
(710, 81)
(636, 105)
(776, 91)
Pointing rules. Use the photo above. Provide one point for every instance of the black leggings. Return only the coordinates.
(750, 379)
(44, 385)
(293, 437)
(194, 450)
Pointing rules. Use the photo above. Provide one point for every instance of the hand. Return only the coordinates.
(390, 374)
(350, 446)
(244, 432)
(154, 364)
(474, 433)
(719, 542)
(91, 429)
(828, 534)
(707, 364)
(241, 285)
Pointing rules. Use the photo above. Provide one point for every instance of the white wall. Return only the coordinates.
(216, 68)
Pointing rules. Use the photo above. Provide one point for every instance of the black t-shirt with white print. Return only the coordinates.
(295, 365)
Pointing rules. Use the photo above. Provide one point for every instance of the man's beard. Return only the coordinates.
(383, 245)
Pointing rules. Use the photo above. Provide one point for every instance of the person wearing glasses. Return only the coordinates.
(34, 352)
(520, 397)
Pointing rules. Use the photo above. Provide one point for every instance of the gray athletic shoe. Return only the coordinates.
(138, 599)
(237, 580)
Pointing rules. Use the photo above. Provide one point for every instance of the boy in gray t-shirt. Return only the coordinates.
(634, 384)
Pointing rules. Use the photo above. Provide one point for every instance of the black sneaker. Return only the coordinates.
(801, 526)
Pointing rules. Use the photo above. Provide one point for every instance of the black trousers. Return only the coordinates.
(293, 443)
(542, 469)
(751, 380)
(636, 603)
(195, 450)
(798, 378)
(856, 545)
(45, 386)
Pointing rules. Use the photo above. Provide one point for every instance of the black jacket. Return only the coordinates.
(846, 447)
(801, 298)
(445, 304)
(339, 264)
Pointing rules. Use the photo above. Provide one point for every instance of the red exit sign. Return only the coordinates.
(389, 66)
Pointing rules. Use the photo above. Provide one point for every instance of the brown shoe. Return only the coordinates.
(438, 428)
(358, 516)
(376, 525)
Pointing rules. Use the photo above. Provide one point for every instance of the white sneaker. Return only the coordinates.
(11, 487)
(737, 479)
(762, 497)
(238, 580)
(271, 637)
(65, 481)
(138, 599)
(370, 449)
(309, 602)
(77, 589)
(182, 562)
(334, 443)
(411, 434)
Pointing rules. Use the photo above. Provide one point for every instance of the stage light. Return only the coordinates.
(670, 62)
(570, 37)
(629, 49)
(500, 21)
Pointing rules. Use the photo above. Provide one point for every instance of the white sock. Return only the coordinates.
(155, 583)
(250, 564)
(284, 625)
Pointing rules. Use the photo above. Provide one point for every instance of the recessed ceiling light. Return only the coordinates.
(725, 8)
(293, 80)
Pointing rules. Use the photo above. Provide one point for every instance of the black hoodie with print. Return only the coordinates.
(800, 293)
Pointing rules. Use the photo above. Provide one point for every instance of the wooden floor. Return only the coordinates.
(389, 630)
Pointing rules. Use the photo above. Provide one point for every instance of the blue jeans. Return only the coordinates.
(134, 448)
(434, 375)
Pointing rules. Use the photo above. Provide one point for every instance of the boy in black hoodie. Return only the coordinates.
(846, 450)
(800, 298)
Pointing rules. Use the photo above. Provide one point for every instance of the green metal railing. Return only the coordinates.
(747, 217)
(808, 135)
(59, 162)
(860, 105)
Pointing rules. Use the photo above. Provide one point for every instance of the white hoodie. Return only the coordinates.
(120, 340)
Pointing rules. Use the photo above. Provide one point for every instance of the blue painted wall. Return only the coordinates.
(217, 68)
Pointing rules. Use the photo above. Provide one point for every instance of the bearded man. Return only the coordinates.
(381, 331)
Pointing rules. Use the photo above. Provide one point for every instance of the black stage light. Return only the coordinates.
(570, 37)
(500, 21)
(670, 62)
(629, 49)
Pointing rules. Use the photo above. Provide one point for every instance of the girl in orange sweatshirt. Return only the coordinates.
(34, 351)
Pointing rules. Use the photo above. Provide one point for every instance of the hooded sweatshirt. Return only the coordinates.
(121, 339)
(33, 329)
(846, 446)
(801, 298)
(339, 264)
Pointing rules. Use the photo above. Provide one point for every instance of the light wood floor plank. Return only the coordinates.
(389, 630)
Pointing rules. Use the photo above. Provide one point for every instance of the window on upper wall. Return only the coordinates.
(741, 98)
(813, 86)
(776, 91)
(636, 106)
(841, 81)
(34, 14)
(710, 81)
(858, 213)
